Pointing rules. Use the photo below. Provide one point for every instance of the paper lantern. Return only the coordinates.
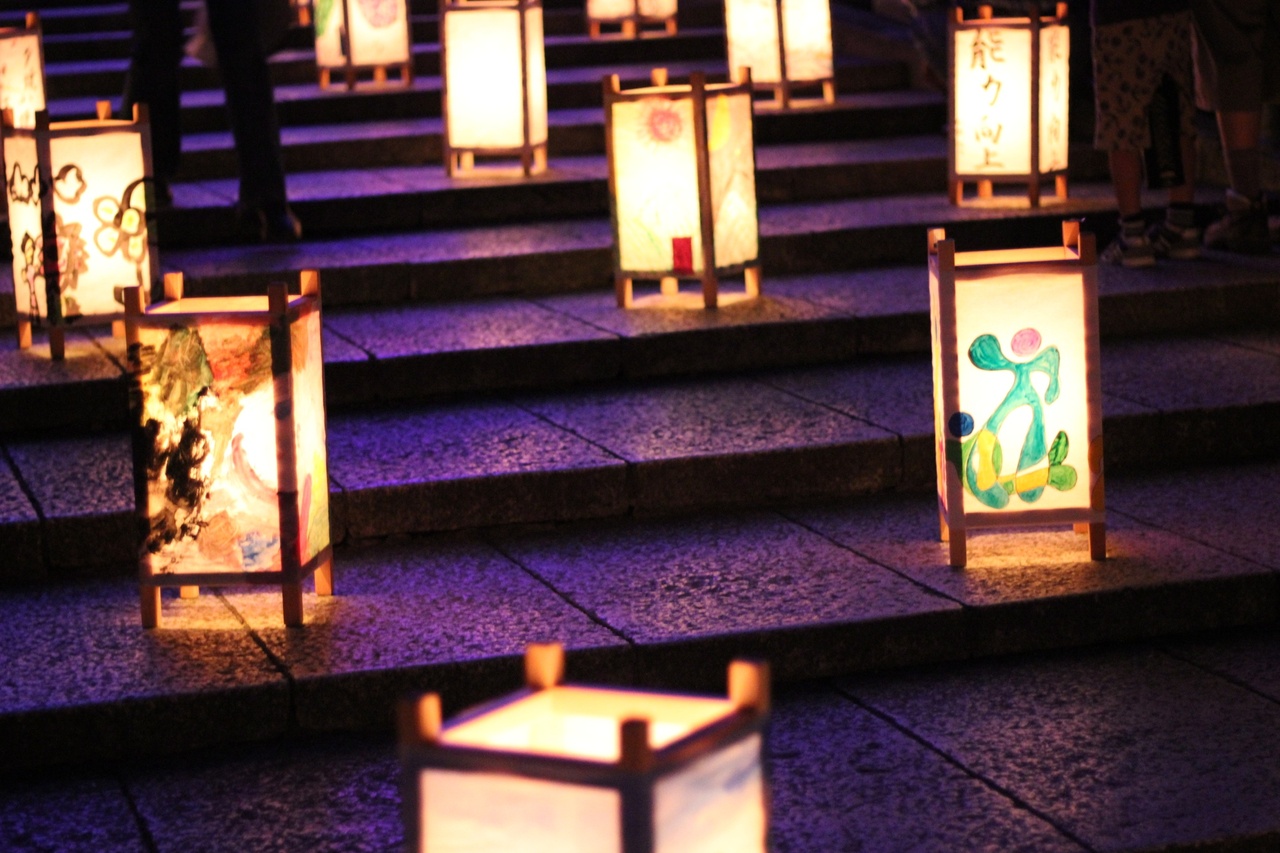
(631, 17)
(230, 471)
(1016, 388)
(785, 43)
(1009, 102)
(495, 83)
(22, 72)
(354, 36)
(567, 769)
(682, 187)
(77, 195)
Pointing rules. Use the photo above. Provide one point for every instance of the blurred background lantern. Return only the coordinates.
(355, 36)
(230, 468)
(785, 43)
(1017, 388)
(1009, 100)
(77, 194)
(682, 187)
(495, 83)
(631, 16)
(567, 769)
(22, 72)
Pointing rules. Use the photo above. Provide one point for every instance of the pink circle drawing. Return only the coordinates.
(1026, 342)
(379, 13)
(664, 124)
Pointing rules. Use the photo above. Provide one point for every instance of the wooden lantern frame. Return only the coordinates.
(1077, 255)
(669, 280)
(43, 135)
(630, 26)
(634, 775)
(784, 90)
(1035, 178)
(282, 312)
(352, 72)
(31, 27)
(461, 161)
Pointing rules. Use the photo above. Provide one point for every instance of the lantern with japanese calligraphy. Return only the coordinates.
(354, 36)
(682, 188)
(77, 194)
(495, 83)
(230, 472)
(785, 43)
(22, 72)
(1016, 388)
(1009, 102)
(567, 769)
(631, 16)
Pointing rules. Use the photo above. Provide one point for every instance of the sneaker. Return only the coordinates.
(1131, 248)
(1243, 229)
(1171, 241)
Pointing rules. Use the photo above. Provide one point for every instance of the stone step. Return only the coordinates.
(654, 448)
(99, 77)
(442, 351)
(819, 591)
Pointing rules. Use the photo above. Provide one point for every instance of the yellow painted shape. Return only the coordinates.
(721, 124)
(984, 449)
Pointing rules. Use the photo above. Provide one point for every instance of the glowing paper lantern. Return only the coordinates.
(682, 185)
(22, 72)
(77, 194)
(363, 35)
(1009, 102)
(230, 470)
(785, 43)
(495, 83)
(631, 16)
(1016, 388)
(566, 769)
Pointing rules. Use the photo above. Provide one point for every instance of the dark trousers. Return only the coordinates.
(153, 80)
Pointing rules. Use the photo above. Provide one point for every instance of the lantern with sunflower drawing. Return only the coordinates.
(1016, 388)
(230, 470)
(77, 194)
(22, 71)
(355, 36)
(682, 188)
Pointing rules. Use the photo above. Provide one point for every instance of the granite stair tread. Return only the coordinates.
(822, 591)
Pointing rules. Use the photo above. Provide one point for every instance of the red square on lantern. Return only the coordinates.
(682, 254)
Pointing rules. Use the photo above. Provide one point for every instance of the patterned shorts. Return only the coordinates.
(1129, 61)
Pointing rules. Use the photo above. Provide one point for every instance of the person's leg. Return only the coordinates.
(152, 79)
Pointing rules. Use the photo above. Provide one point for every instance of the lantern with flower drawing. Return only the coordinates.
(1016, 388)
(22, 72)
(682, 188)
(785, 43)
(77, 194)
(574, 769)
(357, 36)
(230, 470)
(1009, 102)
(495, 83)
(631, 17)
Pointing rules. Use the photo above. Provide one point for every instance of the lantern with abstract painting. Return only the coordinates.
(22, 72)
(1009, 102)
(568, 769)
(355, 36)
(495, 83)
(1016, 388)
(785, 43)
(682, 184)
(77, 194)
(631, 17)
(230, 470)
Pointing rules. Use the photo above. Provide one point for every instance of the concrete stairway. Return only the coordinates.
(514, 459)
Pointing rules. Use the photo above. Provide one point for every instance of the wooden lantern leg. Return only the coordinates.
(351, 79)
(380, 75)
(149, 598)
(944, 531)
(1060, 187)
(751, 278)
(955, 190)
(324, 578)
(958, 553)
(622, 288)
(117, 328)
(1033, 192)
(593, 29)
(324, 78)
(669, 285)
(24, 334)
(1098, 540)
(467, 161)
(188, 592)
(629, 29)
(406, 73)
(57, 343)
(671, 26)
(540, 158)
(986, 189)
(292, 595)
(829, 91)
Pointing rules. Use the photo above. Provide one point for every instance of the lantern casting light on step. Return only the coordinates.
(557, 768)
(785, 43)
(1017, 388)
(230, 469)
(1009, 99)
(22, 72)
(358, 36)
(77, 194)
